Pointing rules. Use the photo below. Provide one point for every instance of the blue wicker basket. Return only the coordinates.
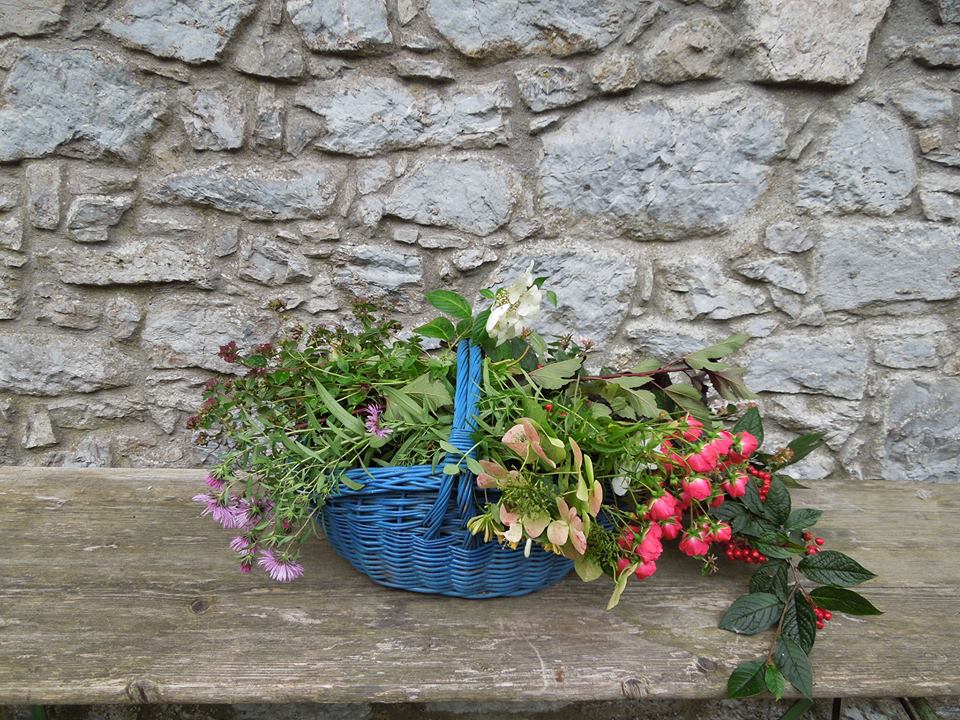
(406, 527)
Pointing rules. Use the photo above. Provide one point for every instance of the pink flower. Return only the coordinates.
(694, 429)
(736, 487)
(222, 511)
(663, 507)
(744, 446)
(697, 488)
(214, 482)
(568, 527)
(670, 528)
(246, 566)
(703, 461)
(645, 570)
(374, 426)
(241, 545)
(279, 569)
(693, 546)
(650, 548)
(721, 444)
(721, 532)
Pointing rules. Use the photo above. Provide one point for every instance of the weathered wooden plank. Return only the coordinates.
(113, 590)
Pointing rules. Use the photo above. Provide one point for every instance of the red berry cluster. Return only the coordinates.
(764, 478)
(823, 616)
(739, 550)
(813, 544)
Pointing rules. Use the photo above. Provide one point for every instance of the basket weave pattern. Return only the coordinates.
(406, 527)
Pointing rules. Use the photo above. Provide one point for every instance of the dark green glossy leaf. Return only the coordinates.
(800, 623)
(777, 503)
(803, 446)
(803, 518)
(746, 680)
(791, 482)
(843, 600)
(793, 663)
(771, 577)
(834, 568)
(752, 423)
(752, 613)
(439, 328)
(451, 303)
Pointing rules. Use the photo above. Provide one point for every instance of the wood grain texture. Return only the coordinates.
(113, 590)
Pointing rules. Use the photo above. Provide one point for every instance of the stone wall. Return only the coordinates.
(172, 172)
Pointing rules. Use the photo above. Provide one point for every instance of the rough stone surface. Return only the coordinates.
(949, 10)
(826, 362)
(38, 431)
(559, 27)
(545, 87)
(283, 191)
(423, 69)
(212, 117)
(337, 26)
(270, 262)
(780, 272)
(30, 17)
(594, 289)
(924, 104)
(866, 166)
(195, 31)
(918, 344)
(467, 194)
(270, 55)
(708, 293)
(42, 363)
(374, 271)
(689, 50)
(940, 196)
(74, 100)
(922, 440)
(939, 52)
(621, 162)
(856, 265)
(138, 262)
(187, 331)
(616, 72)
(818, 41)
(366, 116)
(11, 233)
(787, 237)
(91, 216)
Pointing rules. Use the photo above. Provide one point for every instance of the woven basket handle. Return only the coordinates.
(469, 372)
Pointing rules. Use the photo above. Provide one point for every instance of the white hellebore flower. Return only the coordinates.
(514, 307)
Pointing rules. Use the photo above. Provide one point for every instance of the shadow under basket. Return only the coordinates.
(406, 526)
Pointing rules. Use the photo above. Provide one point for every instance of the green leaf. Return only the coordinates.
(479, 332)
(843, 600)
(488, 294)
(451, 303)
(729, 384)
(774, 681)
(551, 297)
(771, 577)
(554, 376)
(803, 518)
(793, 663)
(773, 548)
(352, 484)
(751, 498)
(777, 503)
(451, 469)
(752, 613)
(439, 328)
(643, 402)
(830, 567)
(473, 465)
(587, 569)
(800, 623)
(751, 422)
(432, 393)
(803, 446)
(620, 586)
(688, 399)
(798, 710)
(790, 482)
(630, 382)
(747, 680)
(705, 358)
(349, 421)
(400, 405)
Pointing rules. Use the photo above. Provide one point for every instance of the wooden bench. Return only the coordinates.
(114, 590)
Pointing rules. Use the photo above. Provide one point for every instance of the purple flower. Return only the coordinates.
(373, 412)
(281, 570)
(246, 567)
(241, 545)
(214, 482)
(221, 511)
(251, 513)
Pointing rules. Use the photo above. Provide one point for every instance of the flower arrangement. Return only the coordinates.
(601, 466)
